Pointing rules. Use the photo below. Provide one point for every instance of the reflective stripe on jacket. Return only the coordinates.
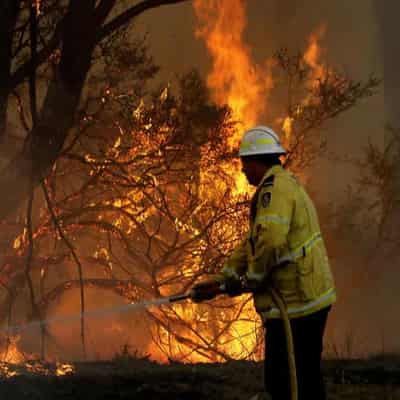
(285, 244)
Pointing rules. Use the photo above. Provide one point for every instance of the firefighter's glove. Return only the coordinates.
(232, 287)
(255, 285)
(205, 291)
(252, 285)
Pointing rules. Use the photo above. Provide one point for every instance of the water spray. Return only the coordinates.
(205, 291)
(16, 329)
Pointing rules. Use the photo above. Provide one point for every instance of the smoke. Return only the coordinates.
(387, 14)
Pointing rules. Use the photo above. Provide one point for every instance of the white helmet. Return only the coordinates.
(260, 140)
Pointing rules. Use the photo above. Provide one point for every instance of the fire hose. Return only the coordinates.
(211, 289)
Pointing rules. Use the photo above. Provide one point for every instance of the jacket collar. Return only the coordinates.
(275, 169)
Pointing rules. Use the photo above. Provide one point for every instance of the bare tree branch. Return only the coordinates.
(130, 14)
(77, 261)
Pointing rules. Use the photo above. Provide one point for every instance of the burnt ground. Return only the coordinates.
(141, 379)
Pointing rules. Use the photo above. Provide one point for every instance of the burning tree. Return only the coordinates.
(143, 197)
(144, 201)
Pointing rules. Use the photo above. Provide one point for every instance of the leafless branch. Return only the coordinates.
(76, 259)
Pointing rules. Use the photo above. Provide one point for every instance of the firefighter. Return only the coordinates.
(283, 249)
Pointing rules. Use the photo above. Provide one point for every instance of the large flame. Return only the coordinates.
(234, 79)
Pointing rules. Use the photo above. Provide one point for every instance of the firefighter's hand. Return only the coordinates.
(205, 291)
(253, 285)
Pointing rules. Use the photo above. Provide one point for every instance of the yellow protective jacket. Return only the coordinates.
(284, 229)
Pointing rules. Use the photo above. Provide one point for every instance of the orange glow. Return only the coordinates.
(198, 327)
(12, 354)
(237, 81)
(313, 59)
(64, 369)
(234, 79)
(314, 52)
(13, 361)
(287, 127)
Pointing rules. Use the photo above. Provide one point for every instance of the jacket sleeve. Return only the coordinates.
(270, 229)
(236, 264)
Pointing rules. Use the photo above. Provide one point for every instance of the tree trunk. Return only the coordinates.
(8, 18)
(57, 115)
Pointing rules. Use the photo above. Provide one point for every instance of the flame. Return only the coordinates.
(244, 86)
(11, 354)
(6, 371)
(287, 127)
(206, 329)
(313, 54)
(13, 362)
(312, 57)
(235, 79)
(64, 369)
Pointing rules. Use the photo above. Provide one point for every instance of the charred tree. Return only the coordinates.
(8, 21)
(73, 39)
